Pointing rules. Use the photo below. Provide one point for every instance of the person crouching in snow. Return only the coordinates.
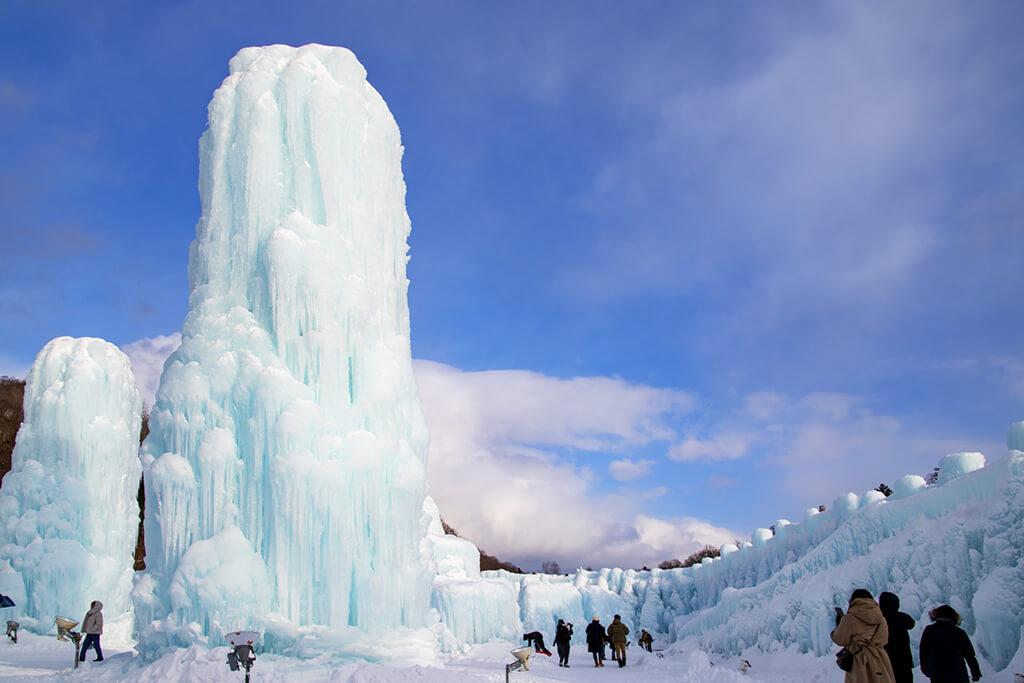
(92, 627)
(864, 633)
(535, 639)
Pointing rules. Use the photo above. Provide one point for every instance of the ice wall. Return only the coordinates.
(285, 467)
(959, 542)
(68, 507)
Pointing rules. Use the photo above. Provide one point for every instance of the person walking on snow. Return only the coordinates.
(898, 647)
(595, 640)
(864, 633)
(563, 638)
(617, 632)
(92, 627)
(945, 647)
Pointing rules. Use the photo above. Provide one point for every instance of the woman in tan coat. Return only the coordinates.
(863, 631)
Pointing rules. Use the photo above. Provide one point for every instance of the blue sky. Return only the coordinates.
(689, 267)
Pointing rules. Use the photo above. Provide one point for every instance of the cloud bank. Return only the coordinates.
(533, 467)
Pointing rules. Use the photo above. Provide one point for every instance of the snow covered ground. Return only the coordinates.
(40, 658)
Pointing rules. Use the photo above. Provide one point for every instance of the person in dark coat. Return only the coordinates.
(945, 648)
(536, 639)
(898, 647)
(595, 640)
(563, 638)
(646, 640)
(92, 627)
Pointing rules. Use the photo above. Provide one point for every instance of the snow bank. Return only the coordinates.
(959, 542)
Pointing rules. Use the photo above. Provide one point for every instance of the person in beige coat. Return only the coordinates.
(863, 631)
(92, 627)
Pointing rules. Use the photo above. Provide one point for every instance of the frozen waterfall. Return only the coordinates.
(284, 472)
(68, 508)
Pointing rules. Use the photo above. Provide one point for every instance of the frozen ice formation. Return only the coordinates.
(284, 472)
(68, 507)
(959, 542)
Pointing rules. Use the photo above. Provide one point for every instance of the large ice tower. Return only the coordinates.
(68, 508)
(284, 473)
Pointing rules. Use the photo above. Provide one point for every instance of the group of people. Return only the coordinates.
(597, 638)
(615, 635)
(877, 635)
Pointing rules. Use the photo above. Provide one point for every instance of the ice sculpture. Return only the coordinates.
(68, 507)
(960, 542)
(284, 472)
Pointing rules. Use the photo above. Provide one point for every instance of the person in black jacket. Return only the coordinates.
(563, 637)
(536, 639)
(898, 647)
(945, 647)
(595, 640)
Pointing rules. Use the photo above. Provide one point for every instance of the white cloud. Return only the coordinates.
(494, 467)
(765, 405)
(527, 508)
(726, 446)
(681, 537)
(147, 357)
(628, 470)
(498, 471)
(831, 405)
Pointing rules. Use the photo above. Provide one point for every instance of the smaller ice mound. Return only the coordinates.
(957, 465)
(1015, 437)
(472, 609)
(69, 506)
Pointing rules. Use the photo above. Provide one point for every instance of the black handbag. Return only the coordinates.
(844, 660)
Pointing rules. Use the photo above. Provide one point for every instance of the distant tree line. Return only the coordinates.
(12, 397)
(487, 562)
(692, 558)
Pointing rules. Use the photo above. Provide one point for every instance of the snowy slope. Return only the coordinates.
(959, 542)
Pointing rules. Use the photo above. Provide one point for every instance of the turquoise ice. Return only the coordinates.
(284, 473)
